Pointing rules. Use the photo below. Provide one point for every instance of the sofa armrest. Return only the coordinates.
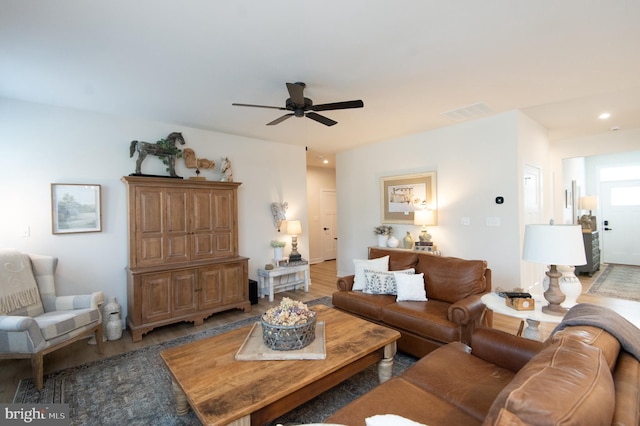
(345, 283)
(503, 349)
(20, 334)
(466, 311)
(65, 303)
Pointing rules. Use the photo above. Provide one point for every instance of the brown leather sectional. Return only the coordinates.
(579, 376)
(453, 309)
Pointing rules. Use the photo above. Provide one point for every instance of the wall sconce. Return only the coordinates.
(423, 218)
(294, 228)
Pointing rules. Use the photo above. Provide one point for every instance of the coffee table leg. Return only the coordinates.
(385, 366)
(182, 404)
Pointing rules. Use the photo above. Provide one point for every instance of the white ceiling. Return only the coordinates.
(410, 61)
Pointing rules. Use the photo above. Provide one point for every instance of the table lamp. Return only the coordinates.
(423, 217)
(554, 245)
(588, 202)
(294, 228)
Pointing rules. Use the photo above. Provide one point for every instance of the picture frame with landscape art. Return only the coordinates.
(75, 208)
(402, 195)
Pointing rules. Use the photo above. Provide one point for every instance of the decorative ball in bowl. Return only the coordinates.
(289, 326)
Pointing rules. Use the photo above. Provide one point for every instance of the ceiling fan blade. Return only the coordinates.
(279, 120)
(295, 92)
(338, 105)
(260, 106)
(321, 119)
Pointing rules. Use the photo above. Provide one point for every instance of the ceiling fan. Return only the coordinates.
(301, 106)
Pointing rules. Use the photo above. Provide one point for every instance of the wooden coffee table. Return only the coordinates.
(223, 391)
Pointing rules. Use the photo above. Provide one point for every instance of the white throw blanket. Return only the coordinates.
(18, 288)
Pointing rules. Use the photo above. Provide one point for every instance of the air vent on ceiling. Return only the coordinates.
(469, 112)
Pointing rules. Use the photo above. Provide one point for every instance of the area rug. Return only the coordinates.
(618, 281)
(134, 388)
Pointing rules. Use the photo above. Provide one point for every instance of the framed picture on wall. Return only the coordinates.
(402, 195)
(75, 208)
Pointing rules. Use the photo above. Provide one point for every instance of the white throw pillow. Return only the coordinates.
(411, 287)
(390, 420)
(379, 264)
(380, 282)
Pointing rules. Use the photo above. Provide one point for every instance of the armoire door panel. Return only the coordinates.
(150, 205)
(151, 251)
(223, 245)
(203, 245)
(177, 248)
(202, 210)
(184, 296)
(234, 286)
(210, 280)
(223, 209)
(177, 212)
(156, 302)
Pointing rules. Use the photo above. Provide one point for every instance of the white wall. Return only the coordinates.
(474, 161)
(44, 144)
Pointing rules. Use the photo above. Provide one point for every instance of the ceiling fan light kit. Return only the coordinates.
(304, 107)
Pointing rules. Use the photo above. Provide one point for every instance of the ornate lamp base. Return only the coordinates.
(554, 295)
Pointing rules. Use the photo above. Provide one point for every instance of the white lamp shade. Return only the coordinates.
(423, 217)
(554, 245)
(589, 202)
(294, 227)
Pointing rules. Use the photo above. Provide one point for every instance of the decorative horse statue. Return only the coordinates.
(278, 211)
(225, 168)
(164, 148)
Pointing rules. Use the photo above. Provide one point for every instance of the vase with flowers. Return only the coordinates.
(278, 250)
(289, 326)
(383, 232)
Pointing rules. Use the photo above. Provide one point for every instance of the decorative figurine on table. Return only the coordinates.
(165, 149)
(225, 168)
(191, 161)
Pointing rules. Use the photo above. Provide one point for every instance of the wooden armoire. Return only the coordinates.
(183, 252)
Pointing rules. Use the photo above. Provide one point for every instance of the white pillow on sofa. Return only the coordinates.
(411, 287)
(382, 282)
(379, 264)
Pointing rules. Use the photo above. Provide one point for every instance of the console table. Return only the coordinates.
(299, 273)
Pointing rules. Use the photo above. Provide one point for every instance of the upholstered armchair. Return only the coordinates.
(34, 321)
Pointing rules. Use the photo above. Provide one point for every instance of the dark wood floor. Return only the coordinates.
(323, 283)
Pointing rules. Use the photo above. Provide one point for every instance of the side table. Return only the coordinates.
(300, 275)
(533, 318)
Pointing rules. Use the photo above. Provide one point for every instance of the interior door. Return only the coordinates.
(329, 213)
(619, 224)
(532, 273)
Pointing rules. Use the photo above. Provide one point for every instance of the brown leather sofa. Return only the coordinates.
(579, 376)
(453, 309)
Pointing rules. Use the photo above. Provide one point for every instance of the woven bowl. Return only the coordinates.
(288, 337)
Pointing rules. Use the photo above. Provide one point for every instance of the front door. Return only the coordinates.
(620, 222)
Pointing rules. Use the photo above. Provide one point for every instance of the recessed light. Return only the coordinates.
(326, 161)
(604, 116)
